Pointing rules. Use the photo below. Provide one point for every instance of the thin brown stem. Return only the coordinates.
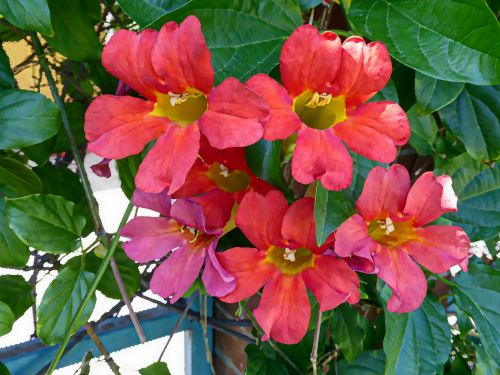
(204, 313)
(314, 352)
(97, 342)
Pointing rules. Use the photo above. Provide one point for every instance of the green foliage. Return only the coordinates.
(450, 48)
(477, 294)
(157, 368)
(475, 118)
(6, 77)
(349, 331)
(371, 362)
(13, 252)
(3, 369)
(331, 208)
(83, 43)
(433, 94)
(16, 293)
(46, 222)
(60, 302)
(33, 15)
(19, 177)
(127, 169)
(26, 118)
(423, 132)
(260, 364)
(417, 342)
(7, 318)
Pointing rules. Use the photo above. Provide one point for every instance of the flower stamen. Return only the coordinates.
(289, 254)
(319, 100)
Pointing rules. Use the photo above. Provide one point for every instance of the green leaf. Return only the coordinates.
(129, 272)
(475, 118)
(461, 46)
(7, 319)
(3, 369)
(477, 294)
(16, 293)
(264, 160)
(389, 92)
(19, 177)
(127, 169)
(60, 302)
(82, 45)
(157, 368)
(85, 365)
(331, 208)
(371, 362)
(45, 222)
(13, 252)
(433, 94)
(417, 342)
(423, 132)
(262, 27)
(478, 190)
(7, 80)
(260, 364)
(485, 365)
(349, 331)
(60, 181)
(26, 118)
(32, 15)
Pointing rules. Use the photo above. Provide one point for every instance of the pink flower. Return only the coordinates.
(182, 231)
(390, 232)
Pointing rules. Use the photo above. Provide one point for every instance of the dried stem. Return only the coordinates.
(97, 342)
(314, 352)
(204, 314)
(178, 324)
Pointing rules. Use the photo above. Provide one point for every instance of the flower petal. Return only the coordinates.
(160, 202)
(178, 272)
(282, 122)
(332, 282)
(197, 181)
(352, 238)
(260, 218)
(181, 57)
(218, 282)
(365, 69)
(120, 126)
(299, 226)
(235, 115)
(127, 56)
(169, 161)
(403, 276)
(151, 238)
(384, 193)
(249, 268)
(309, 60)
(439, 247)
(429, 198)
(320, 155)
(284, 309)
(374, 130)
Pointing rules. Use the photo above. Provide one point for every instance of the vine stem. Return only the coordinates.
(94, 208)
(271, 342)
(91, 291)
(97, 342)
(314, 351)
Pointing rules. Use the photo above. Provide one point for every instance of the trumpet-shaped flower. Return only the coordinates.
(172, 70)
(286, 262)
(181, 230)
(218, 180)
(391, 232)
(325, 86)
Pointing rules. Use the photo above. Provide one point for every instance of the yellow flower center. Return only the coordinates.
(290, 261)
(320, 110)
(391, 234)
(228, 180)
(184, 108)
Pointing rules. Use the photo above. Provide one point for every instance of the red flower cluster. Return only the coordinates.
(196, 176)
